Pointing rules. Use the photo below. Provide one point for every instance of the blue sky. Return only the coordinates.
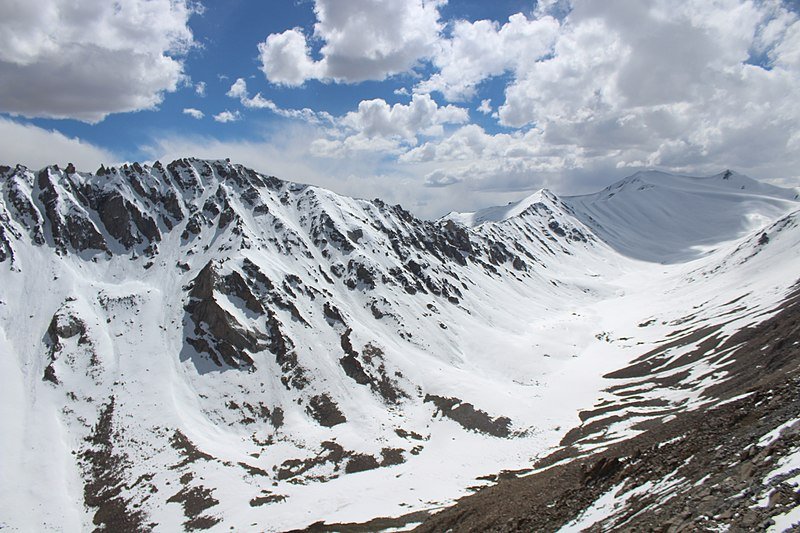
(227, 34)
(436, 105)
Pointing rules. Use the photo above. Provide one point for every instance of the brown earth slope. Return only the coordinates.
(709, 469)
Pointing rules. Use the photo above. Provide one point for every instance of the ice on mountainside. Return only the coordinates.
(197, 345)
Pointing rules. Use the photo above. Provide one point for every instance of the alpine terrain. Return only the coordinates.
(198, 346)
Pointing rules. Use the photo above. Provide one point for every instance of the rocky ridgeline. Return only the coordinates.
(251, 269)
(220, 208)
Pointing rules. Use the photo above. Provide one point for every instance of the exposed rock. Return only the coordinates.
(104, 472)
(266, 499)
(216, 332)
(332, 313)
(325, 411)
(360, 462)
(194, 501)
(331, 453)
(468, 417)
(350, 363)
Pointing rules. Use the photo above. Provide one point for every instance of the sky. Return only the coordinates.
(437, 105)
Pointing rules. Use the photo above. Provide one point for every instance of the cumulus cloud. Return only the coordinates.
(676, 86)
(503, 161)
(87, 59)
(200, 88)
(362, 40)
(36, 147)
(227, 116)
(617, 85)
(238, 89)
(376, 118)
(285, 59)
(482, 49)
(378, 126)
(194, 113)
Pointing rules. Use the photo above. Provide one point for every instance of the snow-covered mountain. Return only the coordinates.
(661, 217)
(201, 346)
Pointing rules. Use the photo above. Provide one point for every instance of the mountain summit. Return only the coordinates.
(197, 345)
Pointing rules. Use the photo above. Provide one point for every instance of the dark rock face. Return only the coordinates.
(73, 229)
(332, 313)
(22, 209)
(62, 326)
(6, 252)
(216, 332)
(372, 372)
(123, 220)
(350, 363)
(466, 415)
(324, 231)
(325, 411)
(331, 453)
(361, 462)
(116, 219)
(104, 472)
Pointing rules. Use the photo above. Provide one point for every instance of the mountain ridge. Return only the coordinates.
(242, 347)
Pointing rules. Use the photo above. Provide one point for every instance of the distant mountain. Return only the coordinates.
(655, 216)
(200, 346)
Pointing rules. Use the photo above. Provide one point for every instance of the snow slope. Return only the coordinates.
(198, 345)
(659, 217)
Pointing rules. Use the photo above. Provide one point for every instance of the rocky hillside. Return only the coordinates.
(200, 346)
(731, 465)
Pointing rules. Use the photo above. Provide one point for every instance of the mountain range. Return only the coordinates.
(200, 346)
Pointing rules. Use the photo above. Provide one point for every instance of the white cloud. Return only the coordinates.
(285, 59)
(239, 91)
(227, 116)
(200, 88)
(36, 147)
(482, 49)
(504, 161)
(362, 40)
(692, 86)
(593, 90)
(377, 126)
(90, 58)
(194, 113)
(376, 118)
(440, 178)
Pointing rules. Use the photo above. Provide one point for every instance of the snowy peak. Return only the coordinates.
(660, 217)
(541, 197)
(725, 181)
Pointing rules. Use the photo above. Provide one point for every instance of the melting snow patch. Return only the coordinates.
(773, 435)
(785, 521)
(611, 502)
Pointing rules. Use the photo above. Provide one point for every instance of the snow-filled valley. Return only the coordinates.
(199, 346)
